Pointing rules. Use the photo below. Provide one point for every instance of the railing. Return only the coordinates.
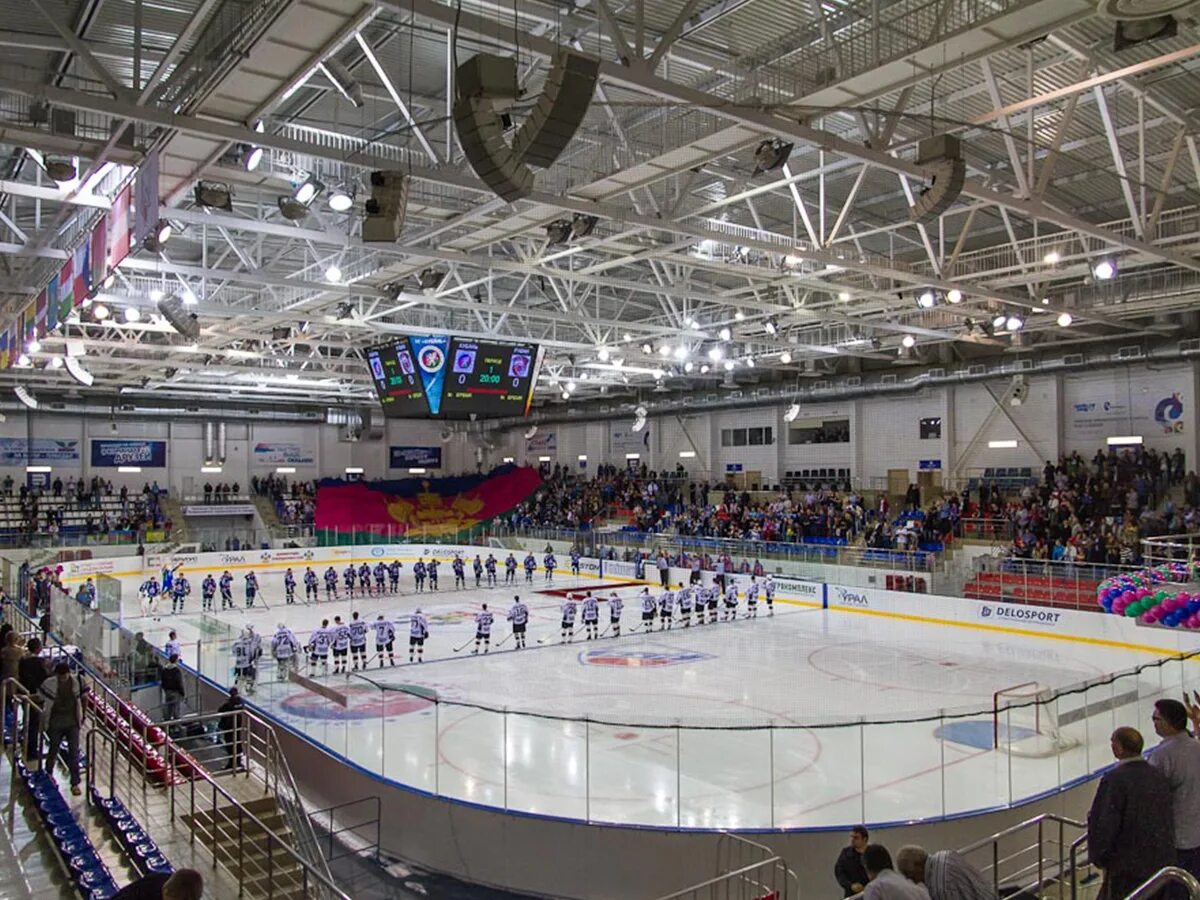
(746, 870)
(1170, 548)
(1040, 582)
(1153, 886)
(349, 836)
(1013, 863)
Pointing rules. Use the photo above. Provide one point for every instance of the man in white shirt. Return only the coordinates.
(885, 882)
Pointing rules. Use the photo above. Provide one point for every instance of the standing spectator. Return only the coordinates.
(885, 882)
(63, 721)
(664, 569)
(849, 870)
(182, 884)
(31, 672)
(1131, 834)
(10, 656)
(170, 679)
(945, 874)
(231, 726)
(1178, 757)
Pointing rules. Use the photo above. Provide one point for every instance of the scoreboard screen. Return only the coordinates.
(397, 382)
(489, 380)
(421, 376)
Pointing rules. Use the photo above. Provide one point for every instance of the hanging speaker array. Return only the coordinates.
(488, 88)
(943, 155)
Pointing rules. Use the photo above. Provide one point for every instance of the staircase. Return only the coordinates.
(266, 511)
(249, 840)
(171, 509)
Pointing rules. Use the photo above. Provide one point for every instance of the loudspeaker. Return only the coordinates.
(944, 153)
(186, 323)
(386, 207)
(481, 134)
(560, 109)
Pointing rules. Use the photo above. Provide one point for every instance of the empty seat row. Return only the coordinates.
(141, 849)
(146, 742)
(71, 842)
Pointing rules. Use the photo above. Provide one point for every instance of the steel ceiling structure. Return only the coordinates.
(1075, 152)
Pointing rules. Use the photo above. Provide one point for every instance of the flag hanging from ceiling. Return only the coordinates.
(79, 285)
(97, 253)
(4, 350)
(51, 311)
(118, 229)
(40, 311)
(146, 200)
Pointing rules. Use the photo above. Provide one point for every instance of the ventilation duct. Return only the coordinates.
(221, 443)
(209, 443)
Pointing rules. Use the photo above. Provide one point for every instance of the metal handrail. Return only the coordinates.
(373, 847)
(1039, 864)
(1160, 879)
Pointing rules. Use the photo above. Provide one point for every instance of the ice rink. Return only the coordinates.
(753, 723)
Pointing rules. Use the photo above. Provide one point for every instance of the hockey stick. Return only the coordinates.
(464, 646)
(504, 640)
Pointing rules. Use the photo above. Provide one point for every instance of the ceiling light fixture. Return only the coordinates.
(34, 346)
(602, 354)
(729, 365)
(132, 314)
(681, 352)
(1014, 323)
(725, 334)
(1104, 268)
(1065, 320)
(213, 195)
(785, 357)
(647, 349)
(333, 274)
(770, 326)
(739, 315)
(704, 369)
(954, 295)
(715, 354)
(307, 190)
(664, 350)
(908, 340)
(1052, 258)
(340, 199)
(844, 296)
(927, 299)
(998, 322)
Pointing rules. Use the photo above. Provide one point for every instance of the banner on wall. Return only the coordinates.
(1098, 416)
(113, 453)
(19, 451)
(415, 457)
(274, 453)
(544, 442)
(625, 440)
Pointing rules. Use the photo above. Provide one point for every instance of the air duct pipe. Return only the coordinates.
(221, 443)
(208, 443)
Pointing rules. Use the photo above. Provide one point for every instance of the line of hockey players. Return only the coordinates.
(363, 580)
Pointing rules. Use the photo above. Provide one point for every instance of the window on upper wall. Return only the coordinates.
(827, 431)
(931, 428)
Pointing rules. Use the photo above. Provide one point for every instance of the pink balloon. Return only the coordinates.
(1147, 618)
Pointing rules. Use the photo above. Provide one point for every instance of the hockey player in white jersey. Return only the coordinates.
(243, 663)
(731, 601)
(358, 642)
(648, 608)
(666, 609)
(590, 613)
(615, 605)
(341, 645)
(284, 648)
(173, 646)
(518, 616)
(752, 599)
(385, 640)
(418, 630)
(318, 644)
(568, 619)
(685, 599)
(483, 629)
(769, 593)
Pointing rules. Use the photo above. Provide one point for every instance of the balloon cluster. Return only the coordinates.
(1140, 596)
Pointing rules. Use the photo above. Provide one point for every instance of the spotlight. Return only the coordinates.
(333, 274)
(926, 300)
(954, 295)
(1014, 323)
(558, 232)
(664, 350)
(844, 296)
(1065, 320)
(23, 361)
(602, 354)
(998, 322)
(1052, 258)
(583, 225)
(62, 171)
(792, 412)
(714, 353)
(771, 154)
(34, 346)
(156, 295)
(729, 364)
(431, 279)
(213, 195)
(158, 238)
(292, 210)
(340, 199)
(908, 340)
(681, 352)
(704, 369)
(749, 362)
(307, 190)
(56, 362)
(691, 323)
(99, 312)
(566, 395)
(725, 334)
(132, 314)
(785, 357)
(647, 349)
(627, 337)
(1104, 269)
(770, 326)
(688, 366)
(571, 386)
(253, 157)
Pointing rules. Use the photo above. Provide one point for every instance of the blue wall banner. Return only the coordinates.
(415, 457)
(110, 454)
(19, 451)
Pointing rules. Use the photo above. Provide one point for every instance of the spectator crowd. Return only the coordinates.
(295, 501)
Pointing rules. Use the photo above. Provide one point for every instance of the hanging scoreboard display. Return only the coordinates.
(397, 382)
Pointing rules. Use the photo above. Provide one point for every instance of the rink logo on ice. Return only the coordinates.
(850, 598)
(640, 659)
(361, 703)
(1031, 614)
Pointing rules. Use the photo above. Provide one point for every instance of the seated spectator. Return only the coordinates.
(945, 874)
(183, 884)
(885, 883)
(849, 870)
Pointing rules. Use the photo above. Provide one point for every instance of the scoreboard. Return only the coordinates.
(489, 380)
(399, 386)
(453, 378)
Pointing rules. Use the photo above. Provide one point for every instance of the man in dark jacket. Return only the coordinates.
(1131, 831)
(849, 870)
(231, 728)
(31, 672)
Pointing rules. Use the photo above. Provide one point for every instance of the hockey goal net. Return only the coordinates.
(1025, 721)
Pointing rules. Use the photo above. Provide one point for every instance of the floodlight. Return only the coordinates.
(908, 340)
(341, 199)
(333, 274)
(770, 326)
(307, 191)
(1104, 268)
(927, 299)
(1064, 319)
(213, 195)
(725, 334)
(785, 357)
(954, 295)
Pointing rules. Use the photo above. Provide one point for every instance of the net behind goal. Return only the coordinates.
(1025, 721)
